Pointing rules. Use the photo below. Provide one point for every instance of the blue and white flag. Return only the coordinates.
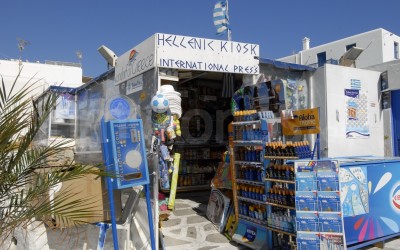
(221, 19)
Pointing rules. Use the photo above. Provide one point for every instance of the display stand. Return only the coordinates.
(125, 157)
(281, 179)
(280, 199)
(319, 214)
(248, 184)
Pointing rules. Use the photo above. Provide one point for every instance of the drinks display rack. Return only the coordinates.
(264, 182)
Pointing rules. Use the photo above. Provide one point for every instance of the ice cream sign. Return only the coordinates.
(301, 122)
(396, 198)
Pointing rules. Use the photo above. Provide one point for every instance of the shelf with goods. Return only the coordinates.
(248, 148)
(248, 172)
(189, 188)
(280, 185)
(200, 146)
(197, 165)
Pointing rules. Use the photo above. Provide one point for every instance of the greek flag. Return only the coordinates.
(221, 19)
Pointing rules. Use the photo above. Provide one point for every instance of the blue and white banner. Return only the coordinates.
(221, 19)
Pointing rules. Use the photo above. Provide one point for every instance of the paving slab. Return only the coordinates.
(182, 212)
(171, 222)
(191, 232)
(217, 238)
(196, 219)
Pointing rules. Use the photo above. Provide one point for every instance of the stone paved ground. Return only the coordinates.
(189, 229)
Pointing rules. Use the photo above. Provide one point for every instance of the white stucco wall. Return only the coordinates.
(393, 69)
(43, 75)
(329, 83)
(378, 47)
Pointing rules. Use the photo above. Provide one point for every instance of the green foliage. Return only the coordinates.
(25, 177)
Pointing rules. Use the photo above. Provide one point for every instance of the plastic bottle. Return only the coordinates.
(264, 195)
(260, 214)
(251, 211)
(246, 191)
(265, 214)
(291, 173)
(285, 194)
(269, 218)
(245, 209)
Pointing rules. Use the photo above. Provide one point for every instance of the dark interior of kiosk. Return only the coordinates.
(206, 114)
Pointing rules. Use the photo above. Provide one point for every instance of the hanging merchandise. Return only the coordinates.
(295, 94)
(159, 103)
(177, 125)
(174, 181)
(160, 115)
(164, 174)
(273, 97)
(242, 99)
(223, 176)
(174, 99)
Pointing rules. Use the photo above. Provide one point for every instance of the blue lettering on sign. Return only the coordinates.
(245, 70)
(201, 65)
(351, 93)
(173, 42)
(206, 44)
(253, 49)
(209, 45)
(223, 46)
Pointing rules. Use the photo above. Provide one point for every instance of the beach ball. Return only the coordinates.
(159, 103)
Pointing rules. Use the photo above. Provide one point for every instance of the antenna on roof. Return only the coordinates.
(21, 46)
(79, 55)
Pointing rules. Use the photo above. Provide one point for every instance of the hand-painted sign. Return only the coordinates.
(182, 52)
(190, 53)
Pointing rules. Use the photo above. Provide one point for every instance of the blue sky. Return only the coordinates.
(57, 29)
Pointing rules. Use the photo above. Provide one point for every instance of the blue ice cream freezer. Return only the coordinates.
(349, 202)
(370, 197)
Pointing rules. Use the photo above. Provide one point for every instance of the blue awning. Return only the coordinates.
(60, 89)
(284, 65)
(94, 80)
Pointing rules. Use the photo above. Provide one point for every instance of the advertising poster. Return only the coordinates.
(300, 122)
(357, 125)
(372, 204)
(65, 108)
(251, 235)
(354, 191)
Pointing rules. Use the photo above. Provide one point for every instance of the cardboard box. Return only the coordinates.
(93, 189)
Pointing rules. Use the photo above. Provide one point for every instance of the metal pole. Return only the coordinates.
(112, 211)
(227, 15)
(150, 217)
(110, 189)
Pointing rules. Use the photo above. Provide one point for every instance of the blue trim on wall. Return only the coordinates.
(395, 98)
(284, 65)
